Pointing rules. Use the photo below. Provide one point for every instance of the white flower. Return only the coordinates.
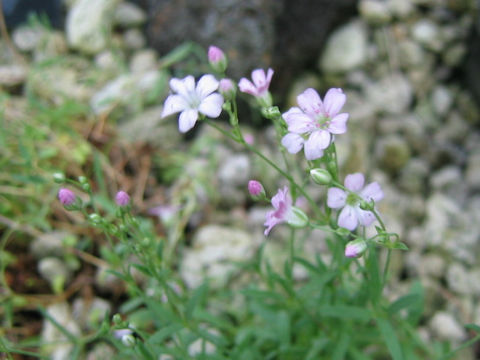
(189, 100)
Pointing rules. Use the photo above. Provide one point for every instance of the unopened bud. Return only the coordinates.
(321, 176)
(271, 112)
(355, 248)
(95, 218)
(59, 177)
(297, 218)
(256, 189)
(217, 59)
(66, 196)
(122, 198)
(227, 88)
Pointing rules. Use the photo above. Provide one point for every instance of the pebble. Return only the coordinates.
(458, 279)
(472, 172)
(52, 269)
(392, 152)
(12, 75)
(49, 244)
(134, 39)
(442, 100)
(375, 12)
(143, 61)
(427, 33)
(127, 14)
(26, 38)
(392, 94)
(444, 326)
(235, 170)
(88, 313)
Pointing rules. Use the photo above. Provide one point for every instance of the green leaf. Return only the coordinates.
(409, 301)
(164, 333)
(473, 327)
(341, 347)
(142, 269)
(398, 245)
(196, 298)
(345, 312)
(390, 338)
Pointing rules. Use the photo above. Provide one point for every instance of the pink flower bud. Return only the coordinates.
(249, 138)
(355, 248)
(226, 87)
(217, 58)
(122, 198)
(255, 188)
(66, 196)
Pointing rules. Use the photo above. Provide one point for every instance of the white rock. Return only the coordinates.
(26, 38)
(128, 14)
(134, 39)
(458, 279)
(442, 99)
(446, 327)
(346, 49)
(89, 24)
(48, 244)
(89, 313)
(375, 12)
(52, 268)
(472, 173)
(143, 60)
(392, 94)
(213, 251)
(427, 33)
(12, 75)
(235, 170)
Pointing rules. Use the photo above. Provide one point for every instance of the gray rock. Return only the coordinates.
(57, 345)
(52, 45)
(235, 170)
(49, 244)
(458, 279)
(413, 176)
(432, 265)
(444, 326)
(89, 24)
(12, 75)
(410, 53)
(472, 173)
(214, 249)
(401, 8)
(127, 14)
(392, 94)
(134, 39)
(52, 269)
(90, 313)
(101, 351)
(26, 38)
(346, 49)
(109, 61)
(442, 100)
(143, 61)
(427, 33)
(392, 152)
(454, 54)
(374, 12)
(445, 177)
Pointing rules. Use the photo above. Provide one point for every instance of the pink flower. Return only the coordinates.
(313, 124)
(260, 85)
(355, 248)
(66, 196)
(189, 100)
(351, 214)
(255, 188)
(282, 203)
(217, 58)
(122, 198)
(227, 88)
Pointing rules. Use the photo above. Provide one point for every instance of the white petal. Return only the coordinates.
(316, 143)
(336, 198)
(333, 101)
(206, 85)
(173, 104)
(354, 182)
(293, 142)
(187, 120)
(364, 217)
(259, 78)
(347, 218)
(372, 191)
(183, 86)
(310, 102)
(211, 106)
(299, 123)
(338, 125)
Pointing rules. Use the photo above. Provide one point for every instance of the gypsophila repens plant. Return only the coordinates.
(339, 310)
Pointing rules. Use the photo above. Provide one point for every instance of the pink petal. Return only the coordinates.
(354, 182)
(372, 191)
(299, 122)
(338, 125)
(282, 196)
(206, 85)
(246, 86)
(173, 104)
(336, 198)
(187, 120)
(347, 218)
(316, 143)
(270, 222)
(293, 142)
(364, 217)
(259, 78)
(310, 102)
(211, 106)
(269, 76)
(183, 86)
(333, 101)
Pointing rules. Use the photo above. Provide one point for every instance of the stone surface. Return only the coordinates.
(392, 94)
(446, 327)
(89, 313)
(48, 244)
(127, 14)
(392, 152)
(89, 24)
(54, 270)
(346, 49)
(375, 12)
(12, 75)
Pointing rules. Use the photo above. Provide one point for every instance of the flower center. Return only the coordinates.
(194, 100)
(322, 121)
(352, 199)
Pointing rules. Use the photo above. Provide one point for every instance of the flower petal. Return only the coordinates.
(211, 106)
(333, 101)
(364, 217)
(372, 191)
(246, 86)
(282, 196)
(187, 120)
(336, 198)
(269, 76)
(293, 142)
(347, 218)
(316, 143)
(298, 122)
(354, 182)
(310, 102)
(259, 78)
(183, 86)
(338, 125)
(206, 85)
(173, 104)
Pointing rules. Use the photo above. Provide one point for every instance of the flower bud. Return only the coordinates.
(297, 218)
(122, 198)
(59, 177)
(256, 189)
(355, 248)
(227, 88)
(82, 180)
(95, 218)
(217, 59)
(271, 112)
(66, 197)
(321, 176)
(117, 319)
